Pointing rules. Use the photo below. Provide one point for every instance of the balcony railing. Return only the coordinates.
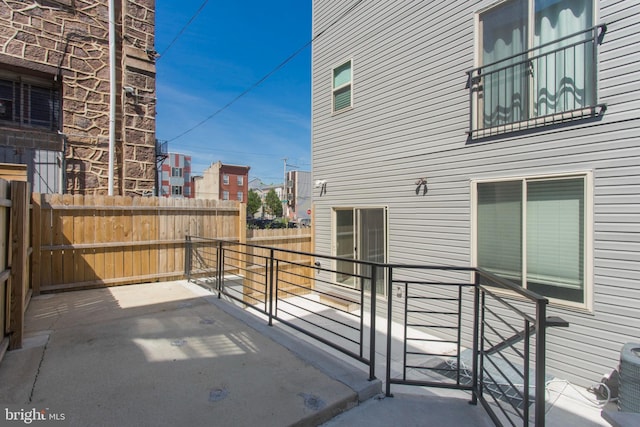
(451, 327)
(550, 83)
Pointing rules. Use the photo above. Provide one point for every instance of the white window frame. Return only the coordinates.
(240, 180)
(225, 195)
(225, 179)
(175, 192)
(477, 47)
(334, 244)
(342, 87)
(240, 196)
(588, 229)
(176, 172)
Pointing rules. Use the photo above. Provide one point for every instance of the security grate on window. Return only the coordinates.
(26, 104)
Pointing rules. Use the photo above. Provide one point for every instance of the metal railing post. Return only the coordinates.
(271, 287)
(219, 269)
(476, 350)
(389, 330)
(594, 68)
(527, 371)
(372, 339)
(541, 344)
(187, 257)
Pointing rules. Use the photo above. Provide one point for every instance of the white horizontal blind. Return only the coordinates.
(342, 86)
(500, 228)
(555, 235)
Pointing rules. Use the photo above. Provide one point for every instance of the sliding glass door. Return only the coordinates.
(360, 234)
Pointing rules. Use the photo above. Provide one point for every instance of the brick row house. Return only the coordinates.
(55, 94)
(223, 182)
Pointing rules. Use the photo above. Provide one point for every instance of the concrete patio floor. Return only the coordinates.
(172, 354)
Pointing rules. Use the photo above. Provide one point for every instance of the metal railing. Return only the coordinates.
(549, 83)
(429, 302)
(453, 327)
(510, 363)
(288, 286)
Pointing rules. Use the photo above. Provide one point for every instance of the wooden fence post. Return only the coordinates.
(19, 249)
(242, 223)
(242, 239)
(36, 242)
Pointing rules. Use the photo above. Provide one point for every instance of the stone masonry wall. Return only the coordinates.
(68, 41)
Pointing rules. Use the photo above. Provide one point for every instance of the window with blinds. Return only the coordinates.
(342, 86)
(532, 231)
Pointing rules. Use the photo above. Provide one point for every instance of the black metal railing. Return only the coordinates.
(549, 83)
(510, 370)
(285, 285)
(454, 327)
(430, 301)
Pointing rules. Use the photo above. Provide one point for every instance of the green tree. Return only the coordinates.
(273, 203)
(253, 204)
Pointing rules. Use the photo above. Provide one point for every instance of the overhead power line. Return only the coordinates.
(270, 73)
(204, 3)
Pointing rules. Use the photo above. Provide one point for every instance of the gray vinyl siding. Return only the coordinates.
(409, 120)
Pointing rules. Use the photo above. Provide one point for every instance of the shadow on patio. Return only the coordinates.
(173, 354)
(160, 354)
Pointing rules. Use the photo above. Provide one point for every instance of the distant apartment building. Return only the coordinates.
(298, 195)
(55, 95)
(223, 182)
(262, 189)
(175, 176)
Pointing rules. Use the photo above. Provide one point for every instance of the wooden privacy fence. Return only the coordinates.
(293, 269)
(15, 291)
(87, 241)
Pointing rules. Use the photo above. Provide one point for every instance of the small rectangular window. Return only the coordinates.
(225, 179)
(342, 86)
(176, 172)
(240, 180)
(225, 195)
(176, 190)
(240, 196)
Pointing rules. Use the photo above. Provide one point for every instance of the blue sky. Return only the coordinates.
(227, 49)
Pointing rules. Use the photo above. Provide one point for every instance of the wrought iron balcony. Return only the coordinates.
(550, 83)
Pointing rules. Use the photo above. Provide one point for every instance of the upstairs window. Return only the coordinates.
(27, 102)
(536, 64)
(176, 190)
(240, 196)
(342, 87)
(225, 179)
(176, 172)
(240, 180)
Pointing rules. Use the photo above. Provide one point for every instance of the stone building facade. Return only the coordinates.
(55, 93)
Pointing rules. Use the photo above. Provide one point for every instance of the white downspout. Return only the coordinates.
(112, 91)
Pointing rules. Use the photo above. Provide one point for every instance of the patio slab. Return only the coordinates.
(172, 354)
(163, 354)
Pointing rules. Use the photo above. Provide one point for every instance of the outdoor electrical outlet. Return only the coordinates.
(399, 291)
